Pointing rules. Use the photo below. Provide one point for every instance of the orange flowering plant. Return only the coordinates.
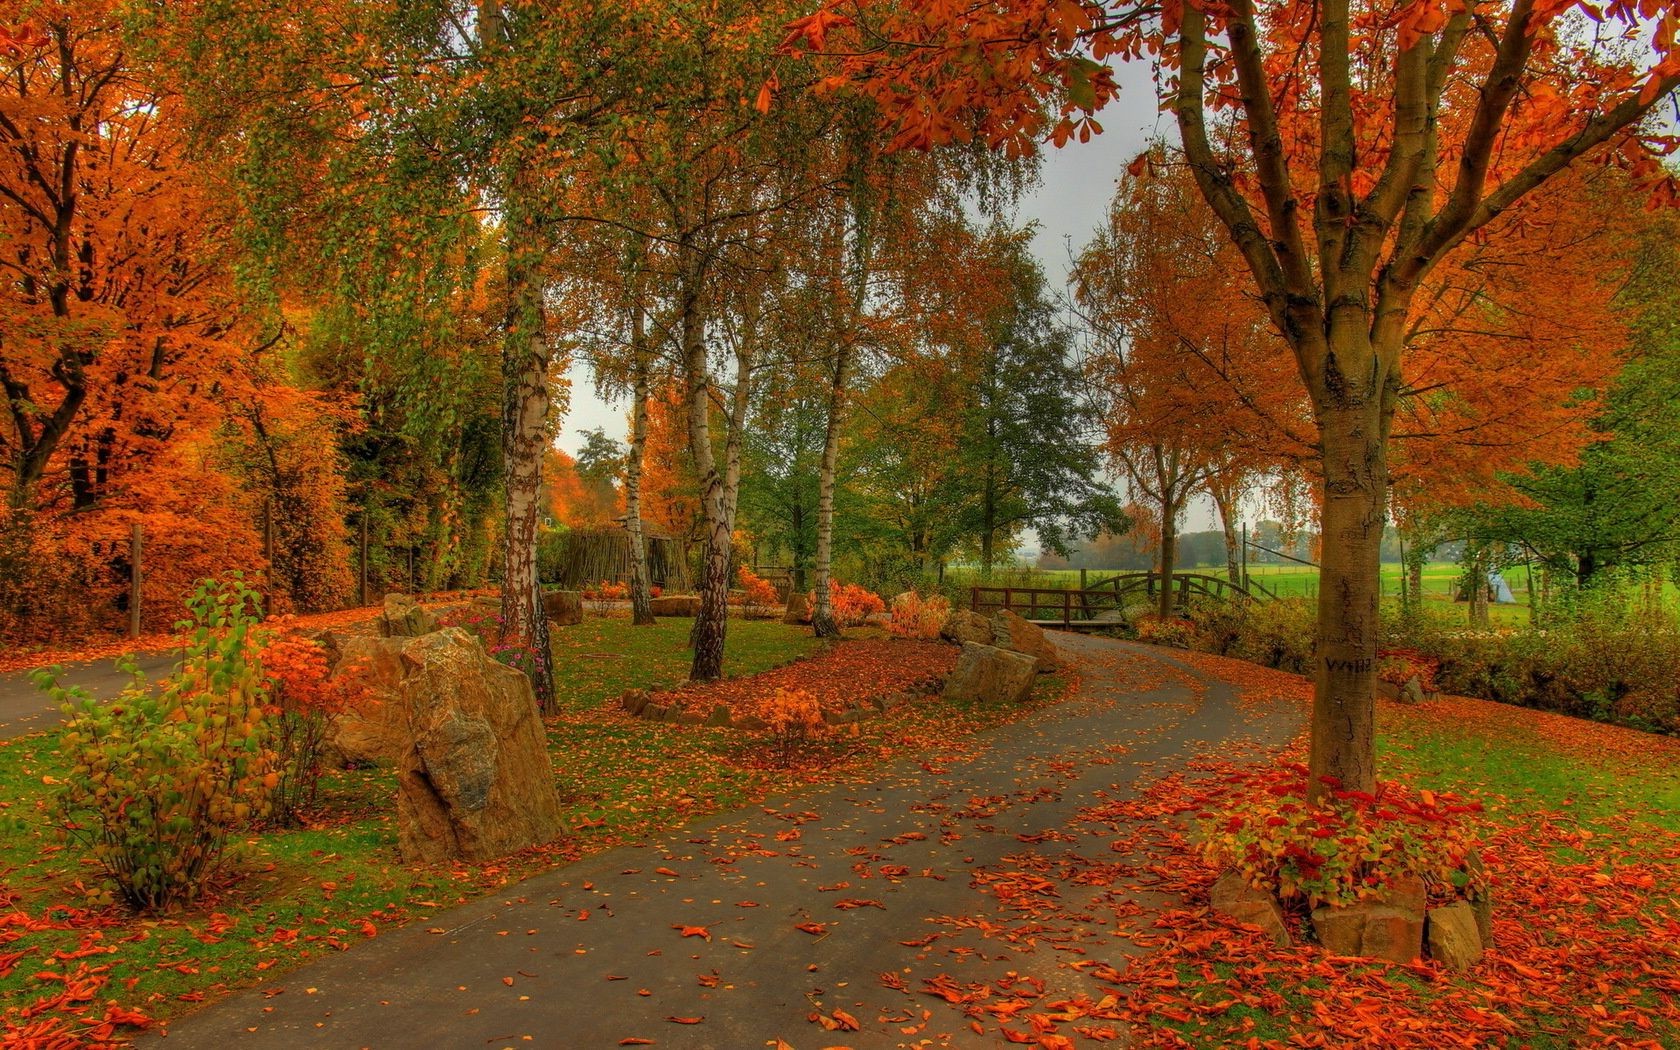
(792, 718)
(914, 616)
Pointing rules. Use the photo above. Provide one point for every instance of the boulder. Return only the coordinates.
(965, 625)
(1235, 898)
(634, 700)
(1412, 691)
(1390, 929)
(563, 608)
(374, 730)
(1386, 690)
(676, 605)
(720, 716)
(1453, 939)
(1011, 631)
(987, 673)
(474, 781)
(1481, 897)
(404, 617)
(798, 608)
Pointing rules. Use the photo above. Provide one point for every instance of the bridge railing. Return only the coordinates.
(1069, 606)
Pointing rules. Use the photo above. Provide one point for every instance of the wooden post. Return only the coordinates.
(1245, 556)
(1067, 608)
(411, 568)
(134, 577)
(1082, 583)
(1009, 598)
(362, 565)
(974, 599)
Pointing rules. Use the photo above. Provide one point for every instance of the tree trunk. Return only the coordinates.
(1355, 484)
(527, 356)
(1168, 555)
(1478, 574)
(641, 607)
(822, 611)
(1233, 555)
(711, 625)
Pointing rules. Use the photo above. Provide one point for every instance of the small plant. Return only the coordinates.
(1346, 847)
(914, 616)
(604, 595)
(302, 703)
(157, 783)
(485, 624)
(792, 718)
(758, 597)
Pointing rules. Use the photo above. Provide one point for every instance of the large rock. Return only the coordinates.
(563, 608)
(475, 781)
(1010, 631)
(1386, 930)
(1454, 941)
(374, 730)
(676, 605)
(987, 673)
(966, 625)
(405, 618)
(798, 608)
(1234, 897)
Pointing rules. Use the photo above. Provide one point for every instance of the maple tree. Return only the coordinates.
(1360, 146)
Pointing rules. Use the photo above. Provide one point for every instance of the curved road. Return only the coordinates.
(961, 867)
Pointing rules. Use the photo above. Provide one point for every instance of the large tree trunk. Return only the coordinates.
(1355, 485)
(641, 607)
(1227, 522)
(822, 611)
(527, 356)
(1477, 572)
(712, 623)
(1168, 554)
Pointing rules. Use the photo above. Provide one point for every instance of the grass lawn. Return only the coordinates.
(296, 894)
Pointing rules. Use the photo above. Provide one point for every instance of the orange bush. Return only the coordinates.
(759, 595)
(914, 616)
(792, 717)
(302, 702)
(852, 605)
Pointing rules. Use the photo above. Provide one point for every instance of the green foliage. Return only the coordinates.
(1347, 847)
(157, 782)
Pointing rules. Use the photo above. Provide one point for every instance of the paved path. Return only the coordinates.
(26, 709)
(593, 953)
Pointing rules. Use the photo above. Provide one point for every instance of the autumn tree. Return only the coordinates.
(1359, 148)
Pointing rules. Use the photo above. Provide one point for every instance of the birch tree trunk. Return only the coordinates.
(822, 610)
(527, 357)
(711, 624)
(1233, 557)
(1169, 550)
(641, 604)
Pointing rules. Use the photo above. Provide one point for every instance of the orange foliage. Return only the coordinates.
(575, 501)
(914, 616)
(668, 483)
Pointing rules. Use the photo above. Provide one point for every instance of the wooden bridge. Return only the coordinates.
(1101, 605)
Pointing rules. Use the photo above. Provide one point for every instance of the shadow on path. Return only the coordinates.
(932, 872)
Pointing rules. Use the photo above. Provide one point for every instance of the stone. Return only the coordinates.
(1235, 898)
(1453, 939)
(374, 730)
(964, 625)
(752, 723)
(634, 701)
(404, 617)
(475, 781)
(1480, 893)
(563, 608)
(1412, 692)
(1370, 929)
(798, 608)
(690, 718)
(1386, 690)
(990, 674)
(676, 605)
(720, 716)
(1010, 631)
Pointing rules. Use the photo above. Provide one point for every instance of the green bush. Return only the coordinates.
(158, 782)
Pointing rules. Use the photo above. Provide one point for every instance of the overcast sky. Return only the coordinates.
(1068, 203)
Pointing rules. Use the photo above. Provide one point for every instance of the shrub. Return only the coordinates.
(914, 616)
(485, 623)
(1347, 847)
(852, 605)
(792, 718)
(302, 703)
(602, 596)
(1174, 631)
(758, 596)
(158, 782)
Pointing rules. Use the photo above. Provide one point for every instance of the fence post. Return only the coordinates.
(1067, 608)
(974, 599)
(136, 543)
